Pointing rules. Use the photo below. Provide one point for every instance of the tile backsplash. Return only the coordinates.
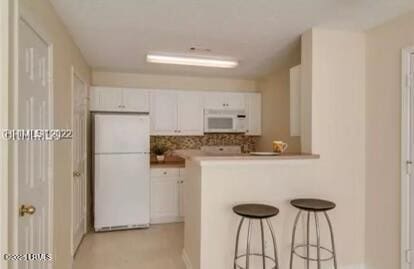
(196, 142)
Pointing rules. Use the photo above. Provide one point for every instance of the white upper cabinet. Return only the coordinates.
(119, 99)
(190, 113)
(214, 100)
(295, 103)
(164, 113)
(136, 100)
(254, 113)
(105, 99)
(224, 100)
(235, 100)
(176, 113)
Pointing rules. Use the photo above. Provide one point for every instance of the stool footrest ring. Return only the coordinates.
(255, 254)
(313, 246)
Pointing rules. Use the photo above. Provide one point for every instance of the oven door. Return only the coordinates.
(219, 124)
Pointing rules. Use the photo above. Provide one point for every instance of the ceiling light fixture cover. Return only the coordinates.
(196, 61)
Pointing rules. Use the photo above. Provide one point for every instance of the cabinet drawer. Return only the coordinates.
(165, 172)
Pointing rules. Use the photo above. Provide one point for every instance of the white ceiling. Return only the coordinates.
(115, 35)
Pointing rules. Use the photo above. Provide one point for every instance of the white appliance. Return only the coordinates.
(121, 171)
(224, 121)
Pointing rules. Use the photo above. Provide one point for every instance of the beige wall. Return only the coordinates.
(275, 89)
(338, 125)
(383, 106)
(65, 54)
(170, 82)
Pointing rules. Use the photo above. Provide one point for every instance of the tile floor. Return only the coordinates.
(158, 247)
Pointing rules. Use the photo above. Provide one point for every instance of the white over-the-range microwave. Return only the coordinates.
(224, 121)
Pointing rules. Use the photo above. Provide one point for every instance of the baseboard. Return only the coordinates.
(186, 260)
(162, 220)
(353, 266)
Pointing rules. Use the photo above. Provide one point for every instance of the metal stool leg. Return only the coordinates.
(308, 240)
(263, 244)
(237, 242)
(332, 239)
(274, 243)
(249, 235)
(318, 241)
(293, 238)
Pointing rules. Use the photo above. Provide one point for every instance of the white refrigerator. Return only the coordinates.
(121, 171)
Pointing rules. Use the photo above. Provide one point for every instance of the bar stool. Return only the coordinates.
(314, 206)
(258, 212)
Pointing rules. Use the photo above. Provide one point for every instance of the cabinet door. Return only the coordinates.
(295, 106)
(106, 99)
(254, 113)
(164, 199)
(135, 100)
(181, 212)
(164, 113)
(215, 100)
(235, 101)
(190, 113)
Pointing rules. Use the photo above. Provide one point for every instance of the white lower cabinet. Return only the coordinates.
(167, 195)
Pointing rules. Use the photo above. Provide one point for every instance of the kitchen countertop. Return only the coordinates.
(170, 162)
(198, 155)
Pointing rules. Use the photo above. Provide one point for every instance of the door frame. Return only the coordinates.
(73, 74)
(4, 114)
(405, 154)
(20, 13)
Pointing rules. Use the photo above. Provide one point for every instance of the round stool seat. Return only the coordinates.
(255, 211)
(313, 204)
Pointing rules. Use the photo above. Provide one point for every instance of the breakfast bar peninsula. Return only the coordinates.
(214, 184)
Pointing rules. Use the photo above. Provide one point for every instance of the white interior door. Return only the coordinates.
(33, 163)
(79, 161)
(411, 149)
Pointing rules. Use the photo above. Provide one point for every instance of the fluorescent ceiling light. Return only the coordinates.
(197, 61)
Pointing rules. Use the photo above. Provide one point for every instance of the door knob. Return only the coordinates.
(76, 174)
(27, 210)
